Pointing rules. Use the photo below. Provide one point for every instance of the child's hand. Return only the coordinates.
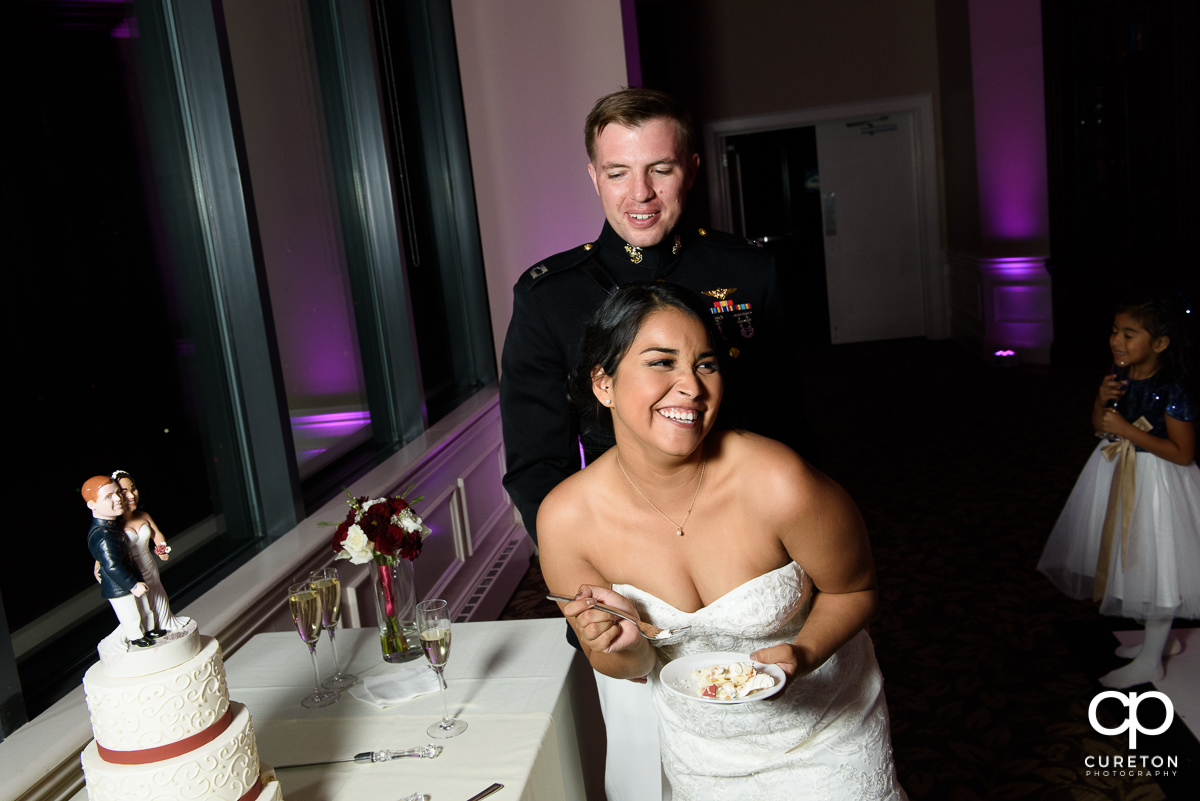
(1112, 422)
(1111, 390)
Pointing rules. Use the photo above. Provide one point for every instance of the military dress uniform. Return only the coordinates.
(552, 304)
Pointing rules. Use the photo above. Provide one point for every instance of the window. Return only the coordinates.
(154, 290)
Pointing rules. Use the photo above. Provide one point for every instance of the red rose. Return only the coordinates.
(410, 546)
(339, 535)
(389, 540)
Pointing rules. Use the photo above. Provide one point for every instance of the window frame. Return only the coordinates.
(201, 177)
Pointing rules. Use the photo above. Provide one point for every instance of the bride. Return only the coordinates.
(682, 523)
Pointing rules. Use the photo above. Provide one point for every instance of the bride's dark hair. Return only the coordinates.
(612, 330)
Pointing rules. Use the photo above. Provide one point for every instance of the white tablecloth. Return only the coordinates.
(524, 692)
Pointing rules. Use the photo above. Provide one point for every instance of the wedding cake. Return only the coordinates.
(165, 728)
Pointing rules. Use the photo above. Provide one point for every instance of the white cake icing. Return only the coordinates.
(121, 659)
(225, 769)
(132, 714)
(166, 730)
(271, 791)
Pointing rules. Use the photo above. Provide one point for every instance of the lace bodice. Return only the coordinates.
(825, 737)
(766, 610)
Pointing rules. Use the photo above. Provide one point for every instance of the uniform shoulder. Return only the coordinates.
(554, 265)
(723, 239)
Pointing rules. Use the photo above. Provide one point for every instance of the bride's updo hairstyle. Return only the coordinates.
(612, 330)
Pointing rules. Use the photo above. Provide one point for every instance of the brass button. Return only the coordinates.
(734, 353)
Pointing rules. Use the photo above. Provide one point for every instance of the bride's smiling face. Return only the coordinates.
(667, 388)
(129, 494)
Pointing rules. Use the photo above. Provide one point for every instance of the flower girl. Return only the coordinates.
(1129, 535)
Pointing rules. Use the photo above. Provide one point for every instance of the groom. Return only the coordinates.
(120, 579)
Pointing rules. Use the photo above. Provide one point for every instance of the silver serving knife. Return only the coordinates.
(386, 755)
(487, 792)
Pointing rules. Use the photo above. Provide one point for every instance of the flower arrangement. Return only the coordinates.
(382, 530)
(389, 533)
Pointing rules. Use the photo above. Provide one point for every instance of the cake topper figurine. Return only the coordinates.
(146, 542)
(120, 579)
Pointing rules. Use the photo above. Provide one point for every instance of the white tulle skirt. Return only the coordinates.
(1161, 572)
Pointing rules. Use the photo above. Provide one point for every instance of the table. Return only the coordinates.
(528, 697)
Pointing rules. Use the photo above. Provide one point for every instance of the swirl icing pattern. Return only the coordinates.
(166, 730)
(223, 770)
(130, 714)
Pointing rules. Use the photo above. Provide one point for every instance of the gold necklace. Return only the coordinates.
(678, 526)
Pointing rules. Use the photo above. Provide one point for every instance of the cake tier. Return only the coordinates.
(271, 791)
(174, 707)
(225, 769)
(122, 659)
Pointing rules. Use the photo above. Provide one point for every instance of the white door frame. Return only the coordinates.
(933, 276)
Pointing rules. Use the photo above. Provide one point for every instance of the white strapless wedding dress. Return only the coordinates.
(826, 737)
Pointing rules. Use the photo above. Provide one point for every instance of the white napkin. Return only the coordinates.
(395, 686)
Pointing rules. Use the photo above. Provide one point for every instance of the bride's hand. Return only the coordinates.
(793, 660)
(598, 630)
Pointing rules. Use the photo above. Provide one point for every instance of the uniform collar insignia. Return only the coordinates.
(720, 293)
(635, 253)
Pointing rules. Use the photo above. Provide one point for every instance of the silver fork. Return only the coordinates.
(647, 630)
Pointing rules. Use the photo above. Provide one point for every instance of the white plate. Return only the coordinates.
(677, 676)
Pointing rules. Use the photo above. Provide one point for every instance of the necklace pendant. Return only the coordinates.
(679, 532)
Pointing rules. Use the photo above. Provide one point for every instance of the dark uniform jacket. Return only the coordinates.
(118, 572)
(552, 304)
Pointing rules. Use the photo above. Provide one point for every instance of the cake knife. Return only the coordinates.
(487, 792)
(425, 751)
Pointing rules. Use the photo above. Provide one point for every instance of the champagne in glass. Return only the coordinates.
(433, 626)
(327, 584)
(304, 602)
(436, 643)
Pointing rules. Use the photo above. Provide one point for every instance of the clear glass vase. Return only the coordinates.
(395, 609)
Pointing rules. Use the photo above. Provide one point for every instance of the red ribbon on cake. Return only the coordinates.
(161, 752)
(253, 792)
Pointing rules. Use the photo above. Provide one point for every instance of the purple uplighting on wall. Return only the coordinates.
(1010, 121)
(316, 434)
(337, 424)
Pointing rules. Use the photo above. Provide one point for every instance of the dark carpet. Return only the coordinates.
(960, 469)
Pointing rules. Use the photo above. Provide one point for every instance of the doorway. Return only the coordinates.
(846, 199)
(775, 191)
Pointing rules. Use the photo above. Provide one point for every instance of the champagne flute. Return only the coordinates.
(305, 605)
(433, 626)
(327, 584)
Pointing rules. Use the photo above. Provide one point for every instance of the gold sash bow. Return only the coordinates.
(1120, 494)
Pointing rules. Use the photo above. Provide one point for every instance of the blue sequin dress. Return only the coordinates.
(1157, 574)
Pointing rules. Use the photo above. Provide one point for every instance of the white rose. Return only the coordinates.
(356, 547)
(413, 524)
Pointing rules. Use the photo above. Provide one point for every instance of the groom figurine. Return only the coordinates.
(120, 580)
